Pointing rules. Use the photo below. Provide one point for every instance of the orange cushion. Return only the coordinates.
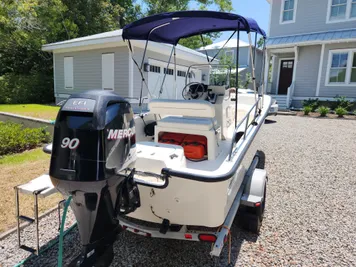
(195, 146)
(172, 138)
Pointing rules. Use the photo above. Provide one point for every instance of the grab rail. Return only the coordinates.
(246, 120)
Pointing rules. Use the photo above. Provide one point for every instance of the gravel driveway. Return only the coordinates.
(310, 212)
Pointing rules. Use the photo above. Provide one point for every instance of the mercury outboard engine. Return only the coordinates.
(92, 159)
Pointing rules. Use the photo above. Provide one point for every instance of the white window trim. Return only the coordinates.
(348, 68)
(294, 13)
(348, 13)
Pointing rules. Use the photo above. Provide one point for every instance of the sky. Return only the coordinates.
(256, 9)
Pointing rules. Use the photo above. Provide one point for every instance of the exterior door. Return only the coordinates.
(285, 76)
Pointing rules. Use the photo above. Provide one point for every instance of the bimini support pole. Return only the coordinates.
(165, 72)
(263, 72)
(175, 73)
(237, 71)
(253, 66)
(254, 50)
(141, 73)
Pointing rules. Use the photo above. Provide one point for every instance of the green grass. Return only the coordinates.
(19, 169)
(27, 156)
(32, 110)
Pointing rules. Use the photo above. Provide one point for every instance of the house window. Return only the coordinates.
(229, 54)
(68, 73)
(287, 65)
(181, 73)
(338, 9)
(168, 71)
(342, 68)
(338, 68)
(155, 69)
(353, 9)
(288, 11)
(341, 10)
(353, 69)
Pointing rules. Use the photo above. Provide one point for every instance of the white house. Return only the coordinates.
(103, 61)
(228, 48)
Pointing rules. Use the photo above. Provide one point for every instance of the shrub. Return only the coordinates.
(15, 138)
(342, 102)
(307, 110)
(323, 111)
(313, 103)
(24, 89)
(340, 111)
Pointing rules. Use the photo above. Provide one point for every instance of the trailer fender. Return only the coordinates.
(254, 189)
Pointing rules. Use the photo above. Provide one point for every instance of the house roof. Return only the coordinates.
(230, 44)
(113, 39)
(310, 38)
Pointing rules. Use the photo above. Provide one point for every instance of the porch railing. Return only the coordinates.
(290, 93)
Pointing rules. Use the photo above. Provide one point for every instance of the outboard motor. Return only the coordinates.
(92, 159)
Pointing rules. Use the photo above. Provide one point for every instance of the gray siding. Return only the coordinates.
(332, 91)
(310, 17)
(87, 70)
(307, 70)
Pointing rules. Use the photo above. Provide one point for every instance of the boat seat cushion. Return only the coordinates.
(202, 124)
(193, 108)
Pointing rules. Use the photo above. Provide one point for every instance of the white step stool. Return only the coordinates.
(39, 187)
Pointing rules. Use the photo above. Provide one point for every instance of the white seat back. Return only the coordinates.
(192, 108)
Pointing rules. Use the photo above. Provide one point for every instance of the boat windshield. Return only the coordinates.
(210, 74)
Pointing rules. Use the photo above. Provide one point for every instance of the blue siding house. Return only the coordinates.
(312, 49)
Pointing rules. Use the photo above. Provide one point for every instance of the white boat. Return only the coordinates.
(185, 163)
(187, 192)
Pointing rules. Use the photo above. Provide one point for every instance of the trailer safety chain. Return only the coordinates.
(229, 236)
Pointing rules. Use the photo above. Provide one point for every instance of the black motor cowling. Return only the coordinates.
(94, 144)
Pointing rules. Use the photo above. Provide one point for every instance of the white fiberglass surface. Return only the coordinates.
(222, 165)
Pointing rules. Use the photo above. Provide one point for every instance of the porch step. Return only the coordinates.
(281, 100)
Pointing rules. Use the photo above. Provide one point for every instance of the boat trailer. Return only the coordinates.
(250, 194)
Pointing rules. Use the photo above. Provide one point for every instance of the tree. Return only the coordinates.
(260, 42)
(194, 42)
(25, 25)
(244, 82)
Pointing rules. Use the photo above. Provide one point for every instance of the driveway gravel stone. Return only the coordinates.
(310, 213)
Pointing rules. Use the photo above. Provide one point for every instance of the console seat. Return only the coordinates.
(194, 117)
(202, 124)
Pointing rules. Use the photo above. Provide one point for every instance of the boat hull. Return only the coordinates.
(199, 202)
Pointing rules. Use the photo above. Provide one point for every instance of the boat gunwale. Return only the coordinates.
(169, 173)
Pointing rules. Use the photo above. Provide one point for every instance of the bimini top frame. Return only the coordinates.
(170, 27)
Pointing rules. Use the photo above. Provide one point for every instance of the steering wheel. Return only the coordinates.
(197, 92)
